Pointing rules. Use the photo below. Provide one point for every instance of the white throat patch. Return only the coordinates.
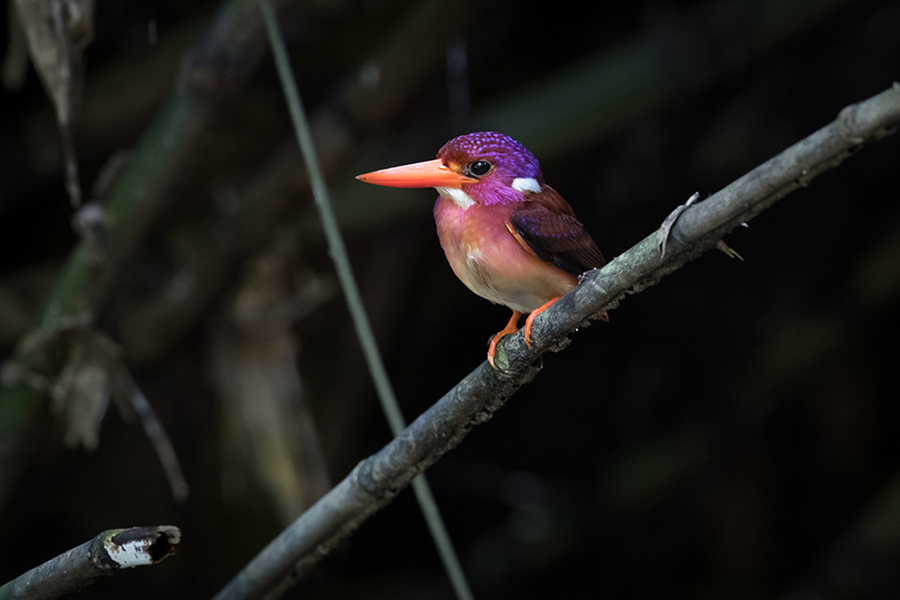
(459, 197)
(526, 184)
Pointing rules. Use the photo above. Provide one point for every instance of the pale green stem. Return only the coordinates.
(361, 324)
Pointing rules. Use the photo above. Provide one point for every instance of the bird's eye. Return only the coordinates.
(479, 168)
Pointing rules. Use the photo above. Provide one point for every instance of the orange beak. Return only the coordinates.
(431, 173)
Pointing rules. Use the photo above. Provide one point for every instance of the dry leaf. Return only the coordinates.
(58, 32)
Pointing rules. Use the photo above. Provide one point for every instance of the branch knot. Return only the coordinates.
(848, 126)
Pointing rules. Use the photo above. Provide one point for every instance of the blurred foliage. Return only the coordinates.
(730, 433)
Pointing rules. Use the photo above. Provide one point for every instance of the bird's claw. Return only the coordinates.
(511, 327)
(492, 351)
(529, 322)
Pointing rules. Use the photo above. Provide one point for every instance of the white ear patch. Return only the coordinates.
(526, 184)
(459, 197)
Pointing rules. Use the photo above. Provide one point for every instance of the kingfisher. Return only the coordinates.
(508, 236)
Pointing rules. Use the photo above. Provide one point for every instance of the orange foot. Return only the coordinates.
(511, 327)
(530, 320)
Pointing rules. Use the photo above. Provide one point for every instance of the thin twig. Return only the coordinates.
(361, 324)
(156, 433)
(377, 479)
(107, 554)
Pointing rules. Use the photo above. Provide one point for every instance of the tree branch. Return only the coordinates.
(377, 479)
(108, 553)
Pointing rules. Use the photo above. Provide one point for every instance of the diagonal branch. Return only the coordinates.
(377, 479)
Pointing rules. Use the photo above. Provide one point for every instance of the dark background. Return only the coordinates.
(731, 433)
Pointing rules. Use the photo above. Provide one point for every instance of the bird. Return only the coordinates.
(508, 236)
